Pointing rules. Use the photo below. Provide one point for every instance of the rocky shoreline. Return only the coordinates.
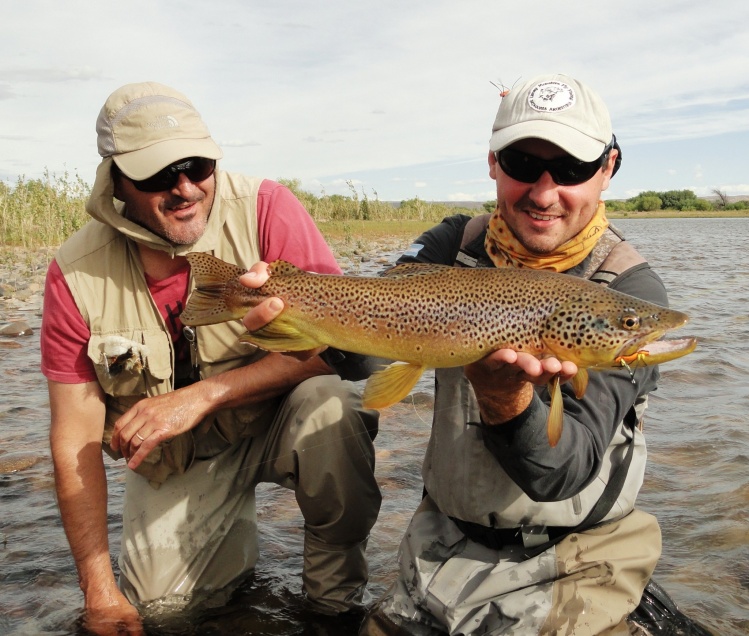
(22, 274)
(22, 270)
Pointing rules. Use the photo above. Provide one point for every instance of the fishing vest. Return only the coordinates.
(130, 346)
(473, 489)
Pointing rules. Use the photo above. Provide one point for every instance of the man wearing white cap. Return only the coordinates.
(199, 417)
(514, 536)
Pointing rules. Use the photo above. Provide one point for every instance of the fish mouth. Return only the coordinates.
(656, 352)
(660, 324)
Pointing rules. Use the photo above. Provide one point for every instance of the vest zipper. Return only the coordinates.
(192, 337)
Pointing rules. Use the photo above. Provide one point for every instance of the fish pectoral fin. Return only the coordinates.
(556, 413)
(391, 384)
(280, 335)
(580, 383)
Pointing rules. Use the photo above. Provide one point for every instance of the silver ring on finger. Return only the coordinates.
(142, 439)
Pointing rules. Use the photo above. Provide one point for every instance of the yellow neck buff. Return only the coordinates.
(506, 251)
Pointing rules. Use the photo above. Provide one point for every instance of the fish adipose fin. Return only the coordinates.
(279, 335)
(556, 413)
(391, 384)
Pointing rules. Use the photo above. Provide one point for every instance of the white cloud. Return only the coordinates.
(323, 91)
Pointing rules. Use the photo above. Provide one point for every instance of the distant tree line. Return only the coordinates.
(680, 200)
(652, 201)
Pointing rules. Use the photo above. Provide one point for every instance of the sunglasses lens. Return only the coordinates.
(574, 172)
(564, 171)
(520, 166)
(195, 169)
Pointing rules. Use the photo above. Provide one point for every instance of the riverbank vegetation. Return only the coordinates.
(39, 213)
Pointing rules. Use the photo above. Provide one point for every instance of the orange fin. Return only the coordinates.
(391, 384)
(556, 413)
(280, 335)
(580, 383)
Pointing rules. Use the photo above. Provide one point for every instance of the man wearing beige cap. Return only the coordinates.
(514, 536)
(199, 417)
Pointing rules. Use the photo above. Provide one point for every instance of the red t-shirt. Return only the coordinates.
(286, 232)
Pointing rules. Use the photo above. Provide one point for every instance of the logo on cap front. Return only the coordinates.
(551, 97)
(163, 121)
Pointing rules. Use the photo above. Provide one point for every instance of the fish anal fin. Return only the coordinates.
(281, 336)
(391, 384)
(580, 383)
(556, 413)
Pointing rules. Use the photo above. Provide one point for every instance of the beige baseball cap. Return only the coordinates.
(558, 109)
(146, 126)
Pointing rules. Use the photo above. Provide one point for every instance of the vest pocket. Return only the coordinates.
(129, 366)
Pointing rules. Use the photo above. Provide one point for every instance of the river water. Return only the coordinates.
(697, 481)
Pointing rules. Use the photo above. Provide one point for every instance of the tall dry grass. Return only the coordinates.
(37, 213)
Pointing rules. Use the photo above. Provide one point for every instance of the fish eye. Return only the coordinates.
(630, 321)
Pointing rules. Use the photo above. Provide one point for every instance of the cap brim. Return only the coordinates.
(146, 162)
(568, 139)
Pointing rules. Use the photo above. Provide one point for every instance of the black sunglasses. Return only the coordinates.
(564, 170)
(195, 169)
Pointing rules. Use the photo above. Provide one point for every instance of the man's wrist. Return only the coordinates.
(497, 410)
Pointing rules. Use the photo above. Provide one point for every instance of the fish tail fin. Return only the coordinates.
(556, 413)
(281, 335)
(207, 303)
(391, 384)
(206, 307)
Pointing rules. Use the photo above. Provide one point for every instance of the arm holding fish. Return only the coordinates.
(555, 473)
(504, 382)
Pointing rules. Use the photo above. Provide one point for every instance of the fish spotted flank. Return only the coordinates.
(434, 316)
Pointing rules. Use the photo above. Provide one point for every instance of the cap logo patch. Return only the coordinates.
(551, 97)
(165, 121)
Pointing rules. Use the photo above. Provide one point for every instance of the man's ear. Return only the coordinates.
(492, 166)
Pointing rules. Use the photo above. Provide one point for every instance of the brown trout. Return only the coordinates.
(434, 316)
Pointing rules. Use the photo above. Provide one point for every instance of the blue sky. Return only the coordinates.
(392, 97)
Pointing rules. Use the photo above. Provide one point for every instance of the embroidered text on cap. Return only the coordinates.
(551, 97)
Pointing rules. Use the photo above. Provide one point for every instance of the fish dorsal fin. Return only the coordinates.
(283, 268)
(406, 270)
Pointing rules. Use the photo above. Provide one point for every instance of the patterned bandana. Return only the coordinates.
(506, 251)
